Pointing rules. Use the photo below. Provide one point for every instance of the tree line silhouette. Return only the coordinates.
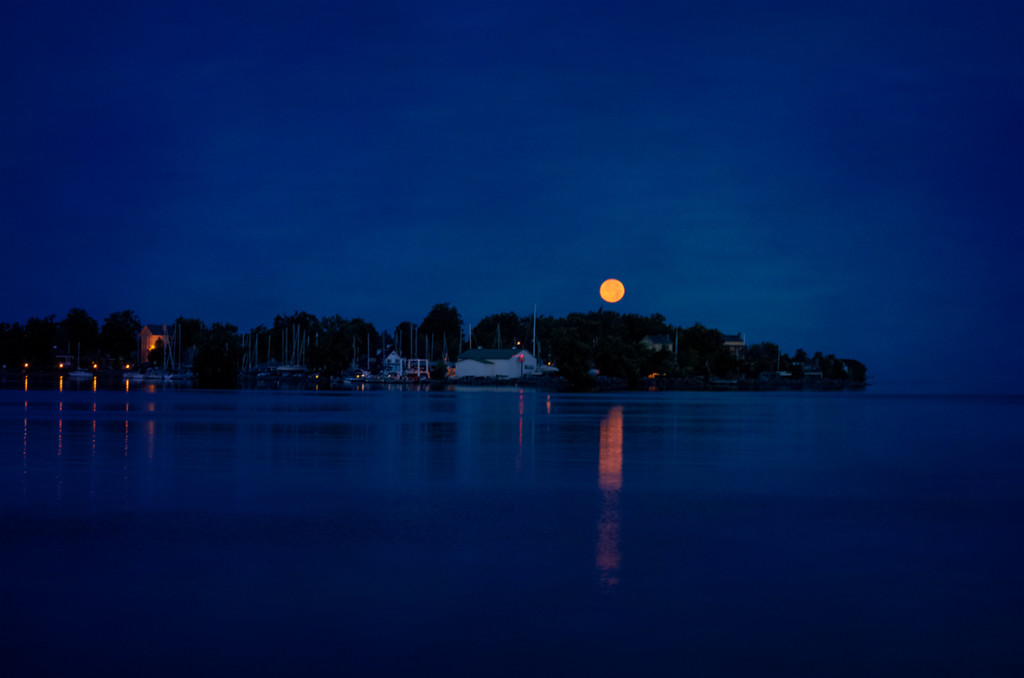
(583, 346)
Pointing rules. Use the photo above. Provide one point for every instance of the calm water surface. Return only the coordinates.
(484, 532)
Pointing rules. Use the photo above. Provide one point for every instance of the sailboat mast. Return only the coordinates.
(533, 345)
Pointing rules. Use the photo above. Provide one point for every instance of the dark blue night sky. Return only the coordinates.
(844, 179)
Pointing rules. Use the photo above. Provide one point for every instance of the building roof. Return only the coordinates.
(657, 339)
(734, 338)
(159, 330)
(487, 355)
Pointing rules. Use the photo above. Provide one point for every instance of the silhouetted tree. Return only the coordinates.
(404, 340)
(573, 354)
(636, 327)
(616, 358)
(291, 335)
(763, 357)
(546, 325)
(661, 362)
(12, 345)
(362, 332)
(512, 328)
(40, 334)
(338, 343)
(81, 332)
(855, 370)
(833, 368)
(119, 336)
(702, 351)
(443, 324)
(330, 351)
(190, 331)
(218, 357)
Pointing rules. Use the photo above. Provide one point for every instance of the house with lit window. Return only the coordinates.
(149, 335)
(495, 363)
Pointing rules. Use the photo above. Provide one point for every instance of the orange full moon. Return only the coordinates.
(612, 290)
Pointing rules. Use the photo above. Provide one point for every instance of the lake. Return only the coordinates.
(492, 531)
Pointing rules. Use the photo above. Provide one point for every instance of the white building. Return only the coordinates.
(495, 363)
(394, 366)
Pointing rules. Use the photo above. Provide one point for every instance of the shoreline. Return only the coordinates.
(599, 384)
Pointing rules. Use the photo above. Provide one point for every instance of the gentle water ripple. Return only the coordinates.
(506, 532)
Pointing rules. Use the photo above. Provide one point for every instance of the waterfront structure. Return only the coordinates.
(735, 343)
(394, 366)
(657, 342)
(149, 335)
(496, 363)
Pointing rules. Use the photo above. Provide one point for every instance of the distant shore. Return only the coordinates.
(599, 384)
(602, 384)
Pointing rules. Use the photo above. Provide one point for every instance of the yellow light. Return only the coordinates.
(61, 365)
(612, 290)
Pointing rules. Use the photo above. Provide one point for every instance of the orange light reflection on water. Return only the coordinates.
(24, 443)
(610, 464)
(609, 557)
